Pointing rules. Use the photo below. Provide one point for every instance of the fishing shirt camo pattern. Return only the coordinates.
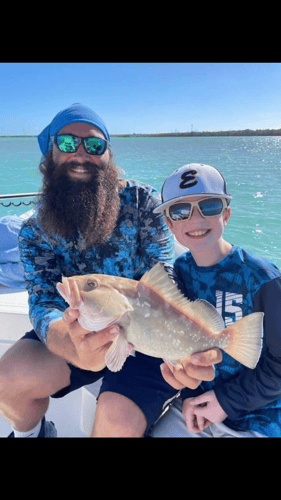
(139, 240)
(239, 285)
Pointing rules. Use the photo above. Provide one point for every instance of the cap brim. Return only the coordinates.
(160, 209)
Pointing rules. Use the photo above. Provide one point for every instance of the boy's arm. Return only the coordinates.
(254, 389)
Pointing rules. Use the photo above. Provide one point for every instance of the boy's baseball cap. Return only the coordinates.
(192, 180)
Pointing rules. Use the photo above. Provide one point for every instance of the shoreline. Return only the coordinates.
(221, 133)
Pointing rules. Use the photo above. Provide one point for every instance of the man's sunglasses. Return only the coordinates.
(68, 143)
(208, 207)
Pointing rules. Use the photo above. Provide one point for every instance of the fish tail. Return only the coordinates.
(245, 339)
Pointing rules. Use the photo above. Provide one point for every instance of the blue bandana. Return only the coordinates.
(75, 113)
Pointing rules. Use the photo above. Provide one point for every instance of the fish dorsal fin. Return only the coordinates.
(199, 311)
(210, 314)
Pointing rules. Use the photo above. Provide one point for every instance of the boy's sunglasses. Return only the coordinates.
(208, 207)
(68, 143)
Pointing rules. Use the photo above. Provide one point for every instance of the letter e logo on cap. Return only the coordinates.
(188, 179)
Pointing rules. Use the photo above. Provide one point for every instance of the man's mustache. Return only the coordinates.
(68, 165)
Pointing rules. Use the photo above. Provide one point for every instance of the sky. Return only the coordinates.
(143, 97)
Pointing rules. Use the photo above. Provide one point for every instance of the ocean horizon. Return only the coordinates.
(251, 166)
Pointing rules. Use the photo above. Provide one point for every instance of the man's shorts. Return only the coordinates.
(139, 380)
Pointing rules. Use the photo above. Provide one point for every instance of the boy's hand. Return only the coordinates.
(194, 423)
(203, 410)
(190, 372)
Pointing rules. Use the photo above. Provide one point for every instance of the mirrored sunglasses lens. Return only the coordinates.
(95, 145)
(211, 207)
(181, 211)
(67, 143)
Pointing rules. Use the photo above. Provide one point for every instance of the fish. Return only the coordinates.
(156, 319)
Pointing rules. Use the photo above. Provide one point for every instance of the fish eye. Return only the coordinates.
(92, 284)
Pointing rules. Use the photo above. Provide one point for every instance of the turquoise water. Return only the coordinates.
(251, 166)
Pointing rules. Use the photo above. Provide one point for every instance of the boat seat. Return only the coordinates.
(14, 319)
(89, 402)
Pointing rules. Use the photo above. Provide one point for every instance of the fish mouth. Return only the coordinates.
(70, 292)
(198, 233)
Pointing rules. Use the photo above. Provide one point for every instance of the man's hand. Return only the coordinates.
(190, 372)
(80, 347)
(91, 347)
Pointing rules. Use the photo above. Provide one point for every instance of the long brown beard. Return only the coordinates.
(71, 206)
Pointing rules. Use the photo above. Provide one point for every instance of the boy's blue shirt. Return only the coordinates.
(239, 285)
(139, 240)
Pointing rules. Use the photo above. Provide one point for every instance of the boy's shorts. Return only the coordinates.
(139, 380)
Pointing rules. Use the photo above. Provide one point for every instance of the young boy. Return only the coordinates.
(239, 401)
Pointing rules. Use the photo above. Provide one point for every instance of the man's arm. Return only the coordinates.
(63, 336)
(41, 272)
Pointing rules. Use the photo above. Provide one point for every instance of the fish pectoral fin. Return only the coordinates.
(118, 353)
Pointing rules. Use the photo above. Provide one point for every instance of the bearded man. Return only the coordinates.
(80, 194)
(88, 221)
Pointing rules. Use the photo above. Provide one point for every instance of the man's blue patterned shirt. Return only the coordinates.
(139, 240)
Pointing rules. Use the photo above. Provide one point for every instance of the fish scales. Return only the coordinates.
(157, 319)
(172, 306)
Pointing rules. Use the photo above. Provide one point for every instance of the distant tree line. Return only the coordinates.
(221, 133)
